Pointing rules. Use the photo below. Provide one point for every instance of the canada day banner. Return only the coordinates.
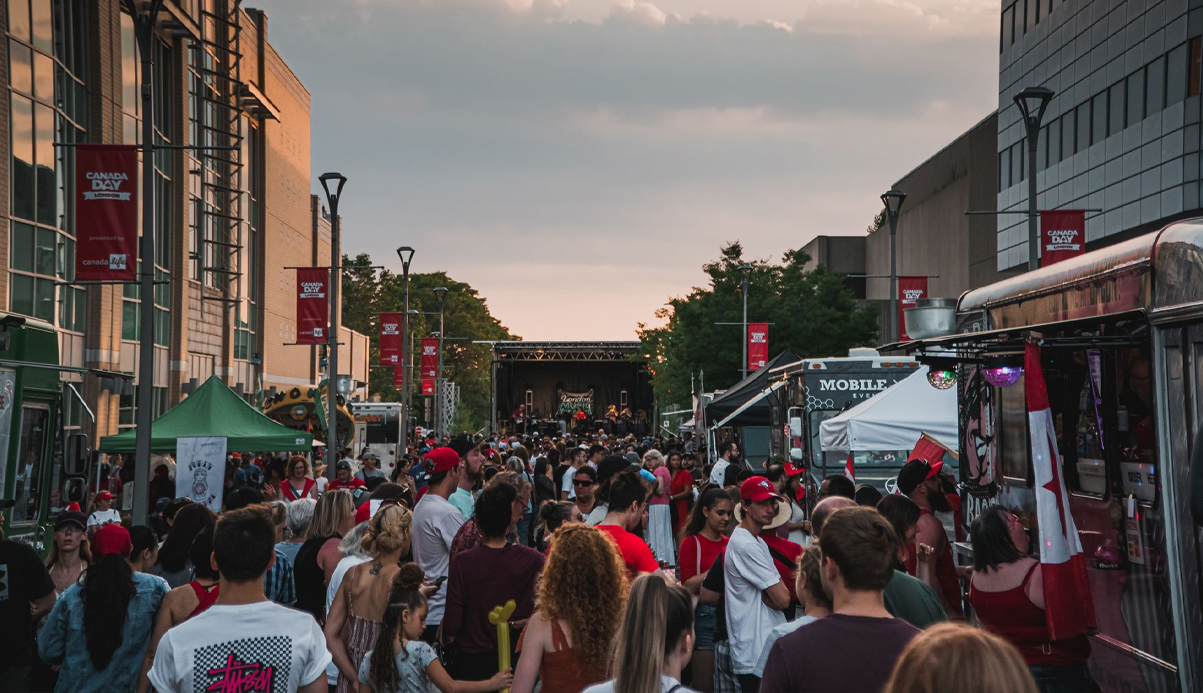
(758, 345)
(106, 212)
(313, 304)
(200, 469)
(390, 339)
(1062, 235)
(910, 289)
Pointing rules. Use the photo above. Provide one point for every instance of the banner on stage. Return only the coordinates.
(1062, 235)
(391, 349)
(106, 212)
(910, 289)
(429, 365)
(571, 401)
(200, 469)
(313, 304)
(428, 386)
(758, 345)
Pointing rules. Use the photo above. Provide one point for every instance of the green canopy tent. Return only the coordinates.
(214, 410)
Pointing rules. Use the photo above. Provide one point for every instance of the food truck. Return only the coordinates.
(1121, 335)
(377, 428)
(819, 389)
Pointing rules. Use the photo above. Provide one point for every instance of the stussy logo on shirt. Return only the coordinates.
(253, 665)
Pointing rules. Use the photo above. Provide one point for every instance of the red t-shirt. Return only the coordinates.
(350, 485)
(689, 554)
(635, 553)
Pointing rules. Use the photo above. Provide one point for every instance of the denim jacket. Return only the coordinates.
(62, 639)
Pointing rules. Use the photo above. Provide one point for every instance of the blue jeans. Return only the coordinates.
(705, 620)
(523, 529)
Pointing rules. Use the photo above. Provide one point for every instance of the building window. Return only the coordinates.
(1136, 98)
(1194, 76)
(1004, 169)
(1083, 128)
(1008, 27)
(1176, 75)
(1116, 116)
(1017, 163)
(1054, 142)
(1099, 118)
(47, 104)
(1155, 87)
(1042, 148)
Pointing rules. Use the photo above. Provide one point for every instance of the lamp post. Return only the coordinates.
(440, 293)
(337, 180)
(892, 199)
(406, 254)
(411, 315)
(745, 270)
(1032, 103)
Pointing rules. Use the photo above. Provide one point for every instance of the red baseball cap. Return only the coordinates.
(442, 460)
(104, 496)
(757, 489)
(111, 538)
(791, 470)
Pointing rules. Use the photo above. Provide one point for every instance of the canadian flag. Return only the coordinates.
(848, 469)
(1068, 608)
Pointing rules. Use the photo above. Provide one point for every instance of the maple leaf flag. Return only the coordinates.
(848, 469)
(1068, 608)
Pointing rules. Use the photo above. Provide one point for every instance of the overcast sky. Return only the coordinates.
(578, 160)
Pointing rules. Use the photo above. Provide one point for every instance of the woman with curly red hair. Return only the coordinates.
(568, 640)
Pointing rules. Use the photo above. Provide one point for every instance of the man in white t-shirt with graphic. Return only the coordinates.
(243, 642)
(754, 590)
(102, 512)
(435, 523)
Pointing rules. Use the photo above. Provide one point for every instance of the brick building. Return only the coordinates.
(227, 221)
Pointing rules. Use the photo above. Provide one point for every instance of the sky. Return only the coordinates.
(577, 161)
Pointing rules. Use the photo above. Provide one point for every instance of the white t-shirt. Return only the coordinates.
(99, 518)
(776, 634)
(667, 683)
(718, 473)
(434, 526)
(566, 487)
(749, 570)
(262, 646)
(336, 579)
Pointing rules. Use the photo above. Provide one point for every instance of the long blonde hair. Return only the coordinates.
(331, 508)
(657, 616)
(959, 657)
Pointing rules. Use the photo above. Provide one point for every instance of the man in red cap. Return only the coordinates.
(102, 513)
(931, 561)
(435, 524)
(755, 593)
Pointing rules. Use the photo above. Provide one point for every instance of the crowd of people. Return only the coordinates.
(623, 564)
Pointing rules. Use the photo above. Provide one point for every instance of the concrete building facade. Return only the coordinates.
(1121, 135)
(227, 222)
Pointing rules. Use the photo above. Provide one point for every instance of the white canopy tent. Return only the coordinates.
(894, 419)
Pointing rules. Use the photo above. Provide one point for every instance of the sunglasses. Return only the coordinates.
(581, 483)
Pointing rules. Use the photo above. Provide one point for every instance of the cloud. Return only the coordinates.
(578, 160)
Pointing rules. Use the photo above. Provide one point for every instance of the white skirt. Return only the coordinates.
(660, 533)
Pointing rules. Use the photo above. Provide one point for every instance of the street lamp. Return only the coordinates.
(892, 199)
(406, 254)
(745, 270)
(337, 180)
(1032, 103)
(440, 293)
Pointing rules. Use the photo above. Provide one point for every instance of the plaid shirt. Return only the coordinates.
(278, 583)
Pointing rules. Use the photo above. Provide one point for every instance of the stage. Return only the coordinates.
(547, 386)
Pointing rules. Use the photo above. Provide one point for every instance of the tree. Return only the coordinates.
(466, 318)
(812, 313)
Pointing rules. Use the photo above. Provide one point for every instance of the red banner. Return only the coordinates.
(910, 289)
(391, 349)
(429, 367)
(399, 377)
(758, 345)
(313, 304)
(427, 386)
(106, 212)
(1062, 235)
